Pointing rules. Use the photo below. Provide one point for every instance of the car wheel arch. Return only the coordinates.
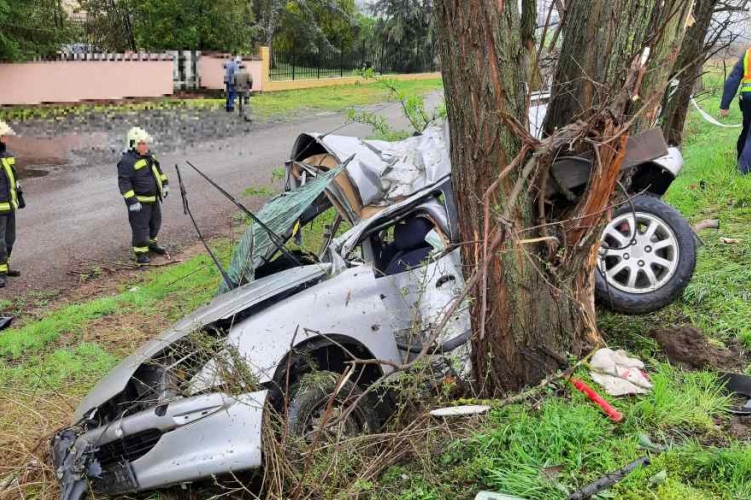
(651, 178)
(329, 353)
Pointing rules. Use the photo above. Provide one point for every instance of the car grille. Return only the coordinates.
(129, 448)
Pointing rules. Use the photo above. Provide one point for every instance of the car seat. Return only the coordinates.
(409, 246)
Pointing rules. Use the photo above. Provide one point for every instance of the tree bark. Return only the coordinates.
(691, 59)
(529, 325)
(534, 303)
(601, 41)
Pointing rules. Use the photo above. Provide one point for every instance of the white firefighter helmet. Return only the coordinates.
(238, 59)
(136, 135)
(5, 129)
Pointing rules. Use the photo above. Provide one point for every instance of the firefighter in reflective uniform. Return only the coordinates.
(143, 185)
(11, 199)
(740, 77)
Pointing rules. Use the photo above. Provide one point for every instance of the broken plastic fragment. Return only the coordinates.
(460, 411)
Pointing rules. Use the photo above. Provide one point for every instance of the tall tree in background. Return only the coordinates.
(534, 264)
(310, 25)
(155, 25)
(109, 26)
(408, 30)
(327, 21)
(219, 25)
(712, 31)
(32, 29)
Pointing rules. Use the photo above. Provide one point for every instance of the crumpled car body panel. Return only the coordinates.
(192, 439)
(224, 306)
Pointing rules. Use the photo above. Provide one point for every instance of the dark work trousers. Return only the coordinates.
(744, 102)
(7, 239)
(230, 89)
(243, 99)
(145, 226)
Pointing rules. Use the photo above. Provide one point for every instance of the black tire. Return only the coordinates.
(310, 400)
(626, 302)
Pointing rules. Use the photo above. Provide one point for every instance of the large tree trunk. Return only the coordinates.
(601, 40)
(691, 61)
(535, 301)
(481, 55)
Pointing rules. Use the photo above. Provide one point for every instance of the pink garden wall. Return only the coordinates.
(74, 81)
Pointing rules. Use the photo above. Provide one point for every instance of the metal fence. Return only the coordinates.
(337, 62)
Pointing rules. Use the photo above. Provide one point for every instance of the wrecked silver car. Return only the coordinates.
(190, 404)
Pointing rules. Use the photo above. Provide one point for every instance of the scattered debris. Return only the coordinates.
(647, 443)
(619, 374)
(611, 412)
(659, 478)
(489, 495)
(689, 348)
(739, 386)
(706, 224)
(5, 322)
(730, 241)
(609, 480)
(460, 411)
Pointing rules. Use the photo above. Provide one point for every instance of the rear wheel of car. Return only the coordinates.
(309, 411)
(647, 257)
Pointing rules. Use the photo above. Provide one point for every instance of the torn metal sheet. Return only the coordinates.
(384, 173)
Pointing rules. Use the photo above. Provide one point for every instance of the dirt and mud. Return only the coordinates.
(689, 348)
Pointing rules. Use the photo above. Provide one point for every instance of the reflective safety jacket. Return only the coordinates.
(9, 186)
(140, 178)
(746, 80)
(739, 77)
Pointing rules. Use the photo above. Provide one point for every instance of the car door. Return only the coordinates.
(420, 298)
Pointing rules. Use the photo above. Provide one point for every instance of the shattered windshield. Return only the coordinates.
(279, 215)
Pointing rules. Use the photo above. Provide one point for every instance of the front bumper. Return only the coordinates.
(185, 440)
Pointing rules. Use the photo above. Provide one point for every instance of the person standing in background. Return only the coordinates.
(243, 85)
(231, 67)
(740, 77)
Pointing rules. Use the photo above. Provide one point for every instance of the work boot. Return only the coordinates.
(14, 273)
(155, 248)
(142, 258)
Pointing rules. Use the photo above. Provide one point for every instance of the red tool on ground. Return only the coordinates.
(611, 412)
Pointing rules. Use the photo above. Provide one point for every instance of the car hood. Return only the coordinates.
(223, 307)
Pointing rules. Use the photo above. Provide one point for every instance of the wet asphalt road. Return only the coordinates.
(76, 217)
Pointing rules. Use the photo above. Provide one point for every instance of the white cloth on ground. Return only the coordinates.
(618, 373)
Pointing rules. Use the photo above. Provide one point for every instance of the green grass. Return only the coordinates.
(547, 450)
(332, 99)
(268, 105)
(51, 353)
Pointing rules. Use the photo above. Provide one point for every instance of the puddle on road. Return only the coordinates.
(30, 173)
